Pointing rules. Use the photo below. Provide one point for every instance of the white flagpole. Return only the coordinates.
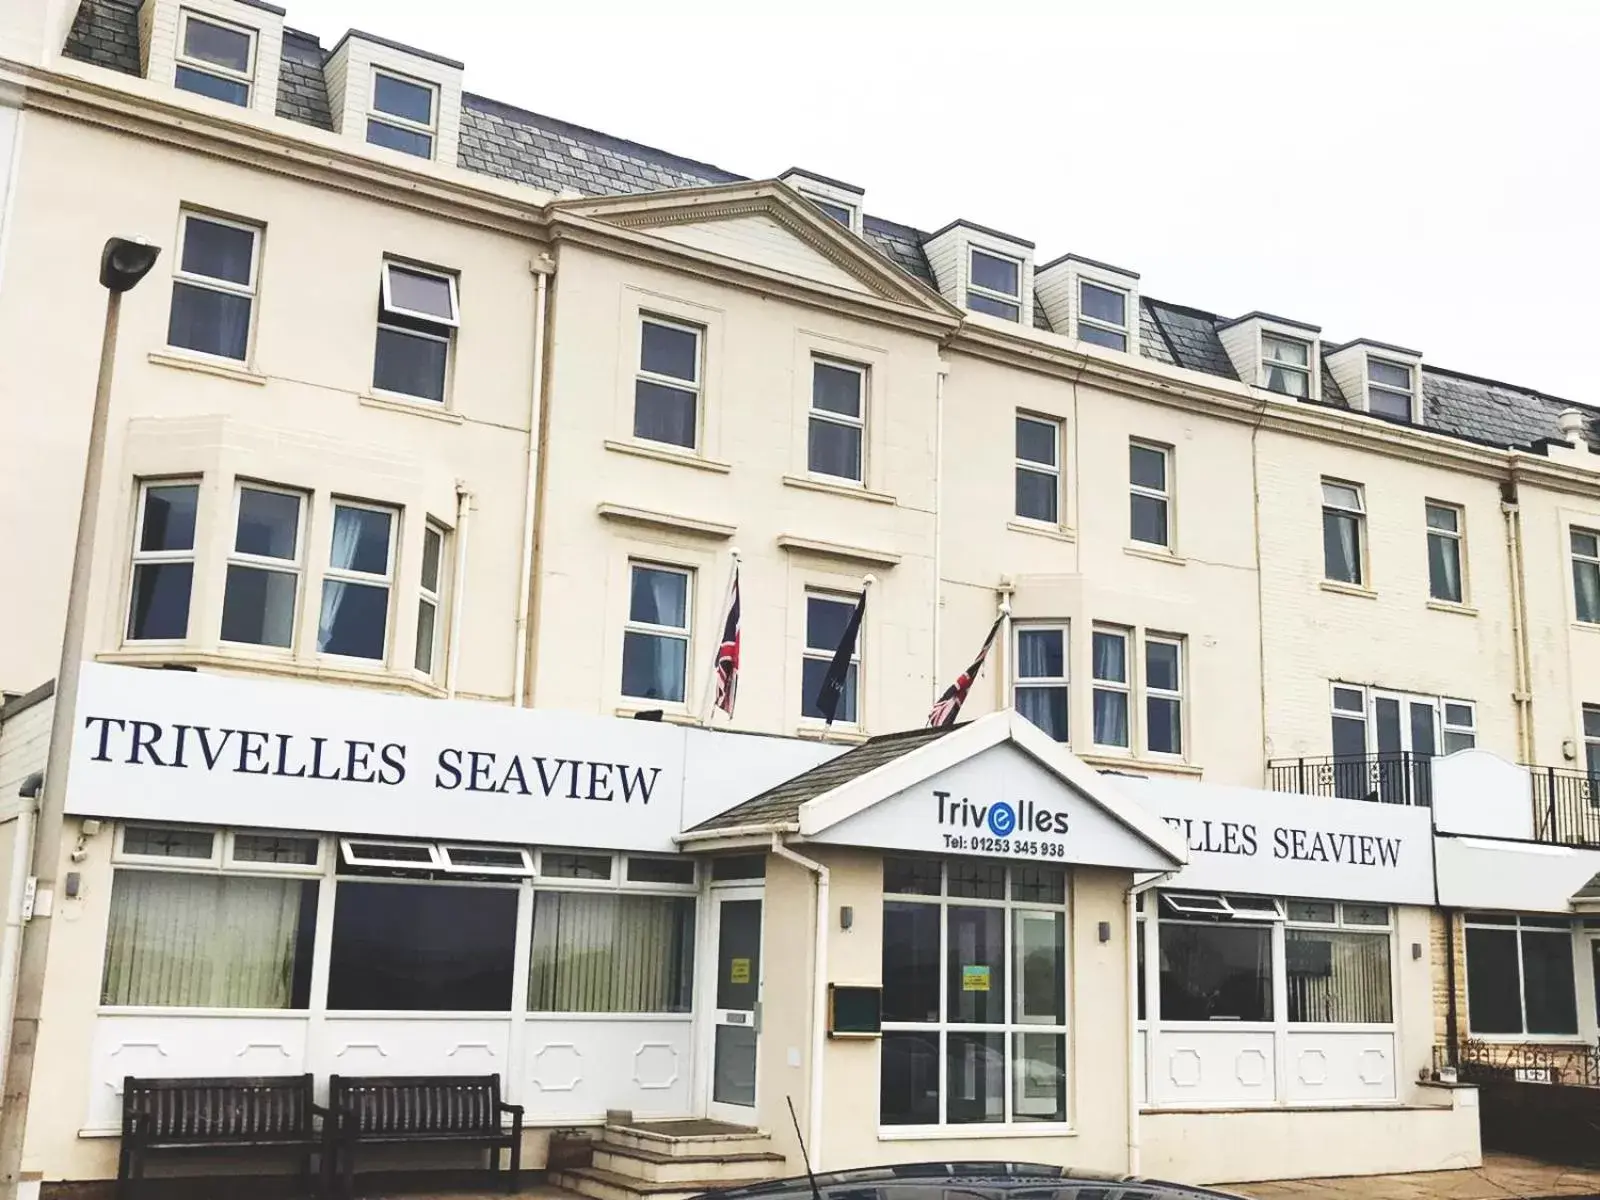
(706, 710)
(1008, 672)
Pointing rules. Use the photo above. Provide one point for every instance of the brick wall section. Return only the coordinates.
(1439, 957)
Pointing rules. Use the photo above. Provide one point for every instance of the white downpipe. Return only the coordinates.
(938, 519)
(458, 597)
(1134, 984)
(11, 942)
(530, 503)
(819, 1002)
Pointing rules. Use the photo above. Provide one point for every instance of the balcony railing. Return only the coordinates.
(1400, 777)
(1491, 1062)
(1566, 806)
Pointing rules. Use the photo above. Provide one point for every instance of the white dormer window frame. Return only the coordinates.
(844, 214)
(398, 121)
(1389, 389)
(1272, 360)
(210, 68)
(994, 296)
(839, 202)
(1107, 332)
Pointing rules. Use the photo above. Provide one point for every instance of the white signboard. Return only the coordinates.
(221, 750)
(1000, 803)
(1277, 844)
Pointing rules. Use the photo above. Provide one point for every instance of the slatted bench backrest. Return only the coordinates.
(418, 1104)
(262, 1108)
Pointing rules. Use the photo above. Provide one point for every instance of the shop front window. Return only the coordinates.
(1520, 976)
(974, 1002)
(604, 952)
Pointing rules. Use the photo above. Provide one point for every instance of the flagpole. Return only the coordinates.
(1008, 650)
(706, 710)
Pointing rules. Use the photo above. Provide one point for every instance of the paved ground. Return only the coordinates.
(1502, 1177)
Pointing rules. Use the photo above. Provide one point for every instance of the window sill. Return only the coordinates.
(816, 733)
(683, 458)
(1156, 766)
(1586, 627)
(1465, 610)
(1565, 1041)
(669, 715)
(431, 409)
(811, 484)
(1154, 554)
(206, 366)
(274, 664)
(951, 1133)
(1059, 533)
(1348, 589)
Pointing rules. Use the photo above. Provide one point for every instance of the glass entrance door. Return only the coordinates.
(1406, 732)
(736, 1019)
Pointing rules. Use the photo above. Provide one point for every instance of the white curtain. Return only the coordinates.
(1445, 563)
(1341, 547)
(1338, 977)
(1110, 708)
(201, 941)
(1586, 587)
(604, 952)
(346, 536)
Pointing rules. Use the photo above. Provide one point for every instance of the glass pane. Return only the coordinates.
(209, 941)
(1164, 721)
(1046, 707)
(1338, 495)
(1285, 350)
(977, 880)
(661, 870)
(1103, 303)
(1216, 972)
(826, 621)
(1110, 657)
(407, 141)
(1386, 717)
(908, 1091)
(1040, 1071)
(204, 83)
(427, 620)
(912, 877)
(1389, 404)
(1586, 589)
(1041, 654)
(169, 512)
(217, 44)
(812, 672)
(835, 450)
(659, 597)
(274, 848)
(1454, 741)
(995, 308)
(354, 621)
(1161, 665)
(977, 963)
(410, 364)
(414, 947)
(1149, 520)
(1586, 544)
(1040, 942)
(432, 551)
(217, 251)
(1349, 700)
(976, 1073)
(258, 607)
(669, 350)
(911, 960)
(1366, 914)
(360, 540)
(1389, 374)
(1341, 547)
(1102, 337)
(1147, 468)
(402, 98)
(996, 274)
(738, 954)
(1444, 568)
(1494, 1004)
(1110, 718)
(1036, 496)
(733, 1070)
(574, 866)
(209, 322)
(417, 292)
(836, 389)
(1459, 715)
(1046, 885)
(1548, 988)
(653, 666)
(604, 952)
(727, 867)
(1338, 977)
(664, 414)
(1421, 718)
(1288, 382)
(160, 604)
(1320, 911)
(1591, 721)
(1036, 441)
(158, 841)
(269, 524)
(834, 212)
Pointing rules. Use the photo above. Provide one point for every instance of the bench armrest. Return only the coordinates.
(511, 1108)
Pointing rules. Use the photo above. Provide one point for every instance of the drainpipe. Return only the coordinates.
(819, 1002)
(458, 598)
(1451, 1020)
(541, 268)
(938, 515)
(16, 900)
(1134, 983)
(1522, 695)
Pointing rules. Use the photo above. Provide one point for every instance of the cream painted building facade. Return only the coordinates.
(431, 396)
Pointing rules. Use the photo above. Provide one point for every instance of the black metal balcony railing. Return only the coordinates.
(1566, 806)
(1400, 777)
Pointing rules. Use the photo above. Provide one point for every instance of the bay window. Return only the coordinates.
(974, 999)
(163, 562)
(1040, 691)
(354, 622)
(263, 582)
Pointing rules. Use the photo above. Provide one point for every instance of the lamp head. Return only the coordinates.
(125, 261)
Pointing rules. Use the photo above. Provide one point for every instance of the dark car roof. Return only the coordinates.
(968, 1181)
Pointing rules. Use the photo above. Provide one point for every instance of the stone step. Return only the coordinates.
(687, 1139)
(607, 1185)
(728, 1165)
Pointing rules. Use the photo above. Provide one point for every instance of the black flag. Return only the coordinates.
(838, 670)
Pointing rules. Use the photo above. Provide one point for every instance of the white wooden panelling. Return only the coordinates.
(1339, 1067)
(761, 240)
(1201, 1067)
(422, 1045)
(576, 1069)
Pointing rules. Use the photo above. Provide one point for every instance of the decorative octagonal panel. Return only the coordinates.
(655, 1066)
(1313, 1067)
(1374, 1067)
(557, 1067)
(1184, 1067)
(1251, 1067)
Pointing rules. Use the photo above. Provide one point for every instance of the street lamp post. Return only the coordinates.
(123, 263)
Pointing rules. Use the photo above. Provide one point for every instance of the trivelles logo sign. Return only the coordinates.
(1001, 827)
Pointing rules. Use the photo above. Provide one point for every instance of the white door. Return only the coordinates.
(735, 1025)
(1405, 732)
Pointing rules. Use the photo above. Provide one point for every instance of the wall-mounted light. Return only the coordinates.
(1105, 931)
(1416, 950)
(847, 916)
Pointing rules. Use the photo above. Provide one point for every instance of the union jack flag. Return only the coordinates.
(728, 650)
(949, 704)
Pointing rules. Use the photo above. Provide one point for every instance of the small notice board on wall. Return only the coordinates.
(854, 1012)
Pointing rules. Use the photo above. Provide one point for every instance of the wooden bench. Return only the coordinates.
(273, 1112)
(412, 1109)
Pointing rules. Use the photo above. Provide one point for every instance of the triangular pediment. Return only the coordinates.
(767, 226)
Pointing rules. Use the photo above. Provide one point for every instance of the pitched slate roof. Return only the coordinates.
(530, 148)
(1589, 891)
(781, 805)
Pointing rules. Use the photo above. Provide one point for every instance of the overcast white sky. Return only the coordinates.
(1423, 173)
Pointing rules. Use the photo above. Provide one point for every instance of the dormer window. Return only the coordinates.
(215, 59)
(404, 114)
(1286, 365)
(1390, 390)
(1102, 315)
(836, 212)
(994, 285)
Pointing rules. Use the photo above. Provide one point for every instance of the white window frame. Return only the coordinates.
(858, 423)
(1014, 1026)
(1033, 467)
(569, 883)
(1359, 512)
(443, 328)
(1178, 643)
(447, 863)
(122, 854)
(331, 573)
(206, 67)
(818, 654)
(1040, 683)
(144, 558)
(1449, 728)
(1457, 535)
(1515, 925)
(1270, 361)
(374, 113)
(386, 289)
(1162, 495)
(1124, 687)
(1086, 321)
(989, 293)
(1409, 395)
(685, 634)
(1591, 741)
(433, 598)
(696, 386)
(214, 284)
(232, 863)
(680, 889)
(349, 854)
(296, 567)
(1591, 560)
